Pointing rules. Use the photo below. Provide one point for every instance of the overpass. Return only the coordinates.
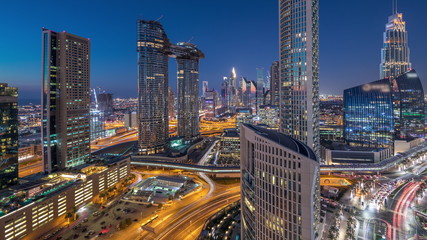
(375, 167)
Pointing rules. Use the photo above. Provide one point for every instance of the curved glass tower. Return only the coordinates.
(395, 52)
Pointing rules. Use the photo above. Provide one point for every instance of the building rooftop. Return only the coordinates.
(230, 133)
(171, 179)
(285, 141)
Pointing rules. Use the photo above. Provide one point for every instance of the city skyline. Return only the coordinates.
(332, 46)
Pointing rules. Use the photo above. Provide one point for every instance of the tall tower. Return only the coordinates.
(187, 58)
(395, 51)
(280, 192)
(153, 48)
(9, 136)
(299, 70)
(259, 87)
(65, 100)
(274, 83)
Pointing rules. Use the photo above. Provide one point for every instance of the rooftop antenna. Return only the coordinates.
(190, 39)
(158, 19)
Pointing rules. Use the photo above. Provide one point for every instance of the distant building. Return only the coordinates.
(205, 88)
(269, 115)
(9, 136)
(395, 52)
(230, 147)
(130, 120)
(171, 104)
(249, 94)
(243, 115)
(209, 104)
(97, 126)
(65, 100)
(259, 88)
(274, 83)
(105, 103)
(280, 192)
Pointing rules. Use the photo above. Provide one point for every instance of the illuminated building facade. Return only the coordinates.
(210, 104)
(47, 200)
(243, 115)
(280, 192)
(274, 83)
(187, 58)
(368, 115)
(153, 50)
(65, 100)
(395, 51)
(269, 115)
(299, 70)
(9, 135)
(408, 97)
(171, 104)
(259, 88)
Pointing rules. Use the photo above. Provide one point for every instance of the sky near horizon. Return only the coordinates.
(238, 33)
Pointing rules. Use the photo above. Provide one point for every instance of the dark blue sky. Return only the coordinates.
(237, 33)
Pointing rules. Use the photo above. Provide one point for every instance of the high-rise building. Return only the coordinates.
(171, 104)
(280, 192)
(409, 106)
(299, 70)
(368, 117)
(249, 94)
(274, 83)
(205, 88)
(65, 100)
(243, 115)
(187, 57)
(269, 116)
(153, 48)
(105, 103)
(210, 104)
(259, 88)
(395, 51)
(9, 135)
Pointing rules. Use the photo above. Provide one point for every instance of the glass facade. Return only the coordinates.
(395, 51)
(299, 74)
(409, 106)
(65, 100)
(368, 117)
(187, 57)
(8, 136)
(153, 50)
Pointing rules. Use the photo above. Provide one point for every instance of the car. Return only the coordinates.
(102, 223)
(106, 214)
(118, 218)
(85, 220)
(118, 209)
(84, 229)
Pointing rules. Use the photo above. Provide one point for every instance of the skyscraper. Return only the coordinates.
(205, 88)
(280, 192)
(65, 100)
(153, 48)
(395, 51)
(274, 83)
(187, 58)
(9, 136)
(171, 104)
(259, 88)
(299, 75)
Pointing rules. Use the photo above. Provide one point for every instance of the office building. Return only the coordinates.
(395, 52)
(229, 154)
(269, 115)
(259, 88)
(171, 104)
(153, 49)
(249, 89)
(105, 103)
(274, 83)
(368, 115)
(130, 120)
(408, 101)
(280, 192)
(210, 104)
(65, 100)
(299, 70)
(187, 58)
(243, 115)
(9, 135)
(205, 88)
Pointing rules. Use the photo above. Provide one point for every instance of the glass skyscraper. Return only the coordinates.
(369, 116)
(65, 100)
(395, 51)
(153, 48)
(8, 136)
(187, 58)
(299, 74)
(274, 83)
(408, 97)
